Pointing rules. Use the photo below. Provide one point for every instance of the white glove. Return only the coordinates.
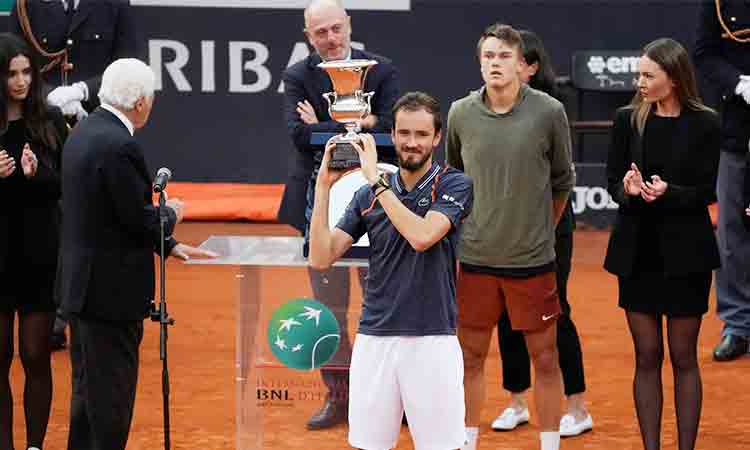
(62, 95)
(74, 109)
(743, 88)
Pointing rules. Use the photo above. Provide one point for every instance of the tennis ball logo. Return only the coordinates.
(303, 334)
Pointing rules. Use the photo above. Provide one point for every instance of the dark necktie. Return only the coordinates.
(70, 6)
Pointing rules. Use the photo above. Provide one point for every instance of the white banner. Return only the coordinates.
(379, 5)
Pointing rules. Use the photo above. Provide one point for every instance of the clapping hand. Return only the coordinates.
(29, 163)
(652, 190)
(743, 88)
(7, 164)
(633, 181)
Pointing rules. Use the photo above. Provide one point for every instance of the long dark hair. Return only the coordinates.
(674, 60)
(34, 107)
(535, 53)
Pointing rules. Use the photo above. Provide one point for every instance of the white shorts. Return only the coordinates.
(422, 375)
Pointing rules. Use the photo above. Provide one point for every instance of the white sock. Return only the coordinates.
(550, 440)
(472, 435)
(33, 448)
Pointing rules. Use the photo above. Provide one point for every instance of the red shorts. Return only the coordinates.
(532, 303)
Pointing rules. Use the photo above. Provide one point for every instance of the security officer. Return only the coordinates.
(75, 40)
(722, 54)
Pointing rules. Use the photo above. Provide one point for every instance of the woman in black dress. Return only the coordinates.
(662, 171)
(31, 139)
(516, 369)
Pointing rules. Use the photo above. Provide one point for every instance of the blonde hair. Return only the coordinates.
(673, 59)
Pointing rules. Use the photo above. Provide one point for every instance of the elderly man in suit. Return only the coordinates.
(722, 54)
(109, 235)
(328, 30)
(93, 33)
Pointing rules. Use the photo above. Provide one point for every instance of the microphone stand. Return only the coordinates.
(159, 314)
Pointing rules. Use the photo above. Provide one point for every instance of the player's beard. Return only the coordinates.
(412, 165)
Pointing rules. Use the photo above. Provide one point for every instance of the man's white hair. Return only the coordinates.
(125, 81)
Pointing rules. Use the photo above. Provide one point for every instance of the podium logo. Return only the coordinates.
(303, 334)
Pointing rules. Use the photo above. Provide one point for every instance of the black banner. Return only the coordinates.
(217, 115)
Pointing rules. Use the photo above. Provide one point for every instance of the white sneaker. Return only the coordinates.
(510, 419)
(569, 427)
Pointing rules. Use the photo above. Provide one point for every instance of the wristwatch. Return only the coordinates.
(382, 182)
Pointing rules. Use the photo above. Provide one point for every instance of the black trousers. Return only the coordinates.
(104, 358)
(516, 367)
(331, 287)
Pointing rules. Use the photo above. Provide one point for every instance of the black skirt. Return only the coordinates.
(655, 293)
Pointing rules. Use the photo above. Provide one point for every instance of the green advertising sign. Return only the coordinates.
(5, 6)
(303, 334)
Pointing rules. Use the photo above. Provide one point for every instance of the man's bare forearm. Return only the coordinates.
(417, 230)
(321, 252)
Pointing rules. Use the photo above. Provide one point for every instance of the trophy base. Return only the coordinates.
(344, 156)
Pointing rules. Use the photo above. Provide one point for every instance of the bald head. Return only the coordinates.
(318, 8)
(328, 29)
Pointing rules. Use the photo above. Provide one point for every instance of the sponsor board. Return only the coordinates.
(5, 6)
(380, 5)
(592, 204)
(601, 70)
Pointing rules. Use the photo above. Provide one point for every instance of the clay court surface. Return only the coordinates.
(202, 369)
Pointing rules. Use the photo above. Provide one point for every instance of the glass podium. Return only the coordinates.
(274, 401)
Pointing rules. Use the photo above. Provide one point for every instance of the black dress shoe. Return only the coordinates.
(730, 348)
(331, 414)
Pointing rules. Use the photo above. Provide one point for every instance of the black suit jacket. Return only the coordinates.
(305, 81)
(40, 214)
(101, 32)
(722, 60)
(684, 229)
(110, 228)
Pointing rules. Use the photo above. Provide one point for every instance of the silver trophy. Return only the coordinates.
(347, 104)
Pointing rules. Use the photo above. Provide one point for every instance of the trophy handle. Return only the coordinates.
(330, 97)
(368, 97)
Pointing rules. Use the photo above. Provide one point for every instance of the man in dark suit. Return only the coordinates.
(110, 232)
(722, 54)
(328, 30)
(94, 32)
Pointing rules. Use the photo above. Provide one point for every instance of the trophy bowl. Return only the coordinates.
(348, 104)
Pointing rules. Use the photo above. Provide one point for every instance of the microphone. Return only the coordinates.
(163, 175)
